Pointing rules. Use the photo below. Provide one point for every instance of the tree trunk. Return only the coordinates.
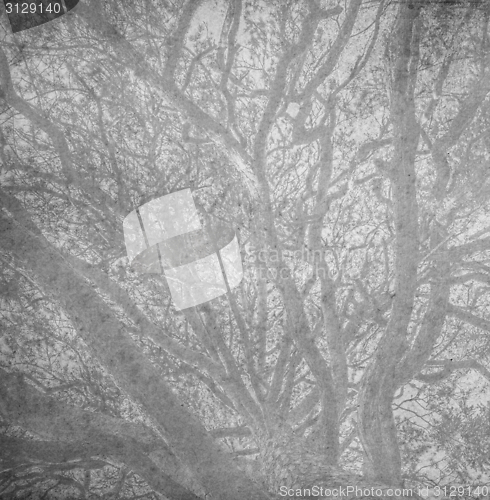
(290, 463)
(377, 426)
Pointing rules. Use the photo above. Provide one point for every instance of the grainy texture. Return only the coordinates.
(346, 146)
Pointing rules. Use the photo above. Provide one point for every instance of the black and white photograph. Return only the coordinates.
(244, 249)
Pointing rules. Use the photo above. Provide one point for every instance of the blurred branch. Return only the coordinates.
(110, 343)
(449, 367)
(165, 85)
(335, 51)
(467, 317)
(73, 433)
(56, 135)
(16, 451)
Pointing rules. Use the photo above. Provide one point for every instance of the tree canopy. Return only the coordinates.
(346, 145)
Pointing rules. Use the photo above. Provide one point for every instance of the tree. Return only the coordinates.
(347, 147)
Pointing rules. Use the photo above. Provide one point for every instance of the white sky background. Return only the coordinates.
(212, 13)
